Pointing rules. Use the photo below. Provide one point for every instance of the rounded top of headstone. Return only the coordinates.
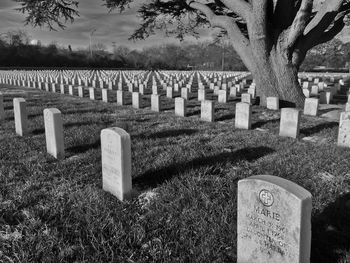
(52, 110)
(291, 187)
(116, 130)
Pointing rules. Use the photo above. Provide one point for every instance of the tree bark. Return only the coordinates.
(276, 76)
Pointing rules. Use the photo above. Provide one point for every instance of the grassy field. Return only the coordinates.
(185, 172)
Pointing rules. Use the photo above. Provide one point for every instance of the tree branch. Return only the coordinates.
(240, 7)
(324, 16)
(299, 23)
(240, 43)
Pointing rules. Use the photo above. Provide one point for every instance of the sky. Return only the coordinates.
(111, 27)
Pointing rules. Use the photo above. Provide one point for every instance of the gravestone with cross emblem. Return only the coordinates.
(273, 222)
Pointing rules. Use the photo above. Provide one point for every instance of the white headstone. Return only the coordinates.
(180, 107)
(246, 98)
(21, 117)
(311, 106)
(2, 108)
(222, 96)
(92, 93)
(273, 221)
(290, 122)
(106, 95)
(201, 94)
(54, 133)
(155, 103)
(207, 110)
(120, 97)
(116, 162)
(136, 100)
(273, 103)
(344, 130)
(243, 116)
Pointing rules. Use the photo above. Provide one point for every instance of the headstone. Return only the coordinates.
(273, 103)
(155, 103)
(344, 130)
(136, 100)
(246, 98)
(233, 92)
(222, 96)
(314, 90)
(120, 97)
(92, 93)
(106, 95)
(169, 92)
(81, 91)
(201, 94)
(347, 106)
(62, 88)
(273, 221)
(2, 109)
(306, 93)
(311, 106)
(243, 116)
(207, 110)
(54, 133)
(116, 162)
(71, 90)
(184, 93)
(180, 107)
(21, 117)
(290, 122)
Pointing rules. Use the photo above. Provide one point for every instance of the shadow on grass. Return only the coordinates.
(93, 110)
(169, 133)
(318, 128)
(193, 113)
(152, 178)
(259, 124)
(226, 117)
(78, 149)
(331, 232)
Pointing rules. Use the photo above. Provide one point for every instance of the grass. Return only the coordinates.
(185, 172)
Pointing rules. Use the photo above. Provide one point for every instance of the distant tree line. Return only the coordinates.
(16, 50)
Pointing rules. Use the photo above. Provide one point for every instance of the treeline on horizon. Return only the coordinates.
(16, 51)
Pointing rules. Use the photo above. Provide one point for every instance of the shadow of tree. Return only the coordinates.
(259, 124)
(152, 178)
(331, 232)
(226, 117)
(77, 149)
(318, 128)
(168, 133)
(193, 113)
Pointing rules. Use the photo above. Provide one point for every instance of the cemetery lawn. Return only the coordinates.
(185, 175)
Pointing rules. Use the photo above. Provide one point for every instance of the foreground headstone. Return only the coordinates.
(311, 106)
(21, 117)
(207, 110)
(290, 122)
(92, 93)
(106, 95)
(273, 222)
(180, 107)
(2, 109)
(54, 133)
(243, 116)
(136, 100)
(116, 162)
(344, 130)
(120, 97)
(155, 103)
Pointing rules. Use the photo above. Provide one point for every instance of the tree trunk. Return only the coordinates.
(276, 76)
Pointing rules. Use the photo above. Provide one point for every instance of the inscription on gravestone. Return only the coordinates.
(274, 221)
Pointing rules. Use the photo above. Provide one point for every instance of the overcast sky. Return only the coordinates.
(110, 27)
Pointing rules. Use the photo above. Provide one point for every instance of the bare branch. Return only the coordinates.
(300, 21)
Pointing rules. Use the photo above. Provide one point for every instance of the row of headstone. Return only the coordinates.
(273, 214)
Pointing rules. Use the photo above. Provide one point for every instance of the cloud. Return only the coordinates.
(110, 26)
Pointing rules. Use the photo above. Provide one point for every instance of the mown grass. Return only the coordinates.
(185, 172)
